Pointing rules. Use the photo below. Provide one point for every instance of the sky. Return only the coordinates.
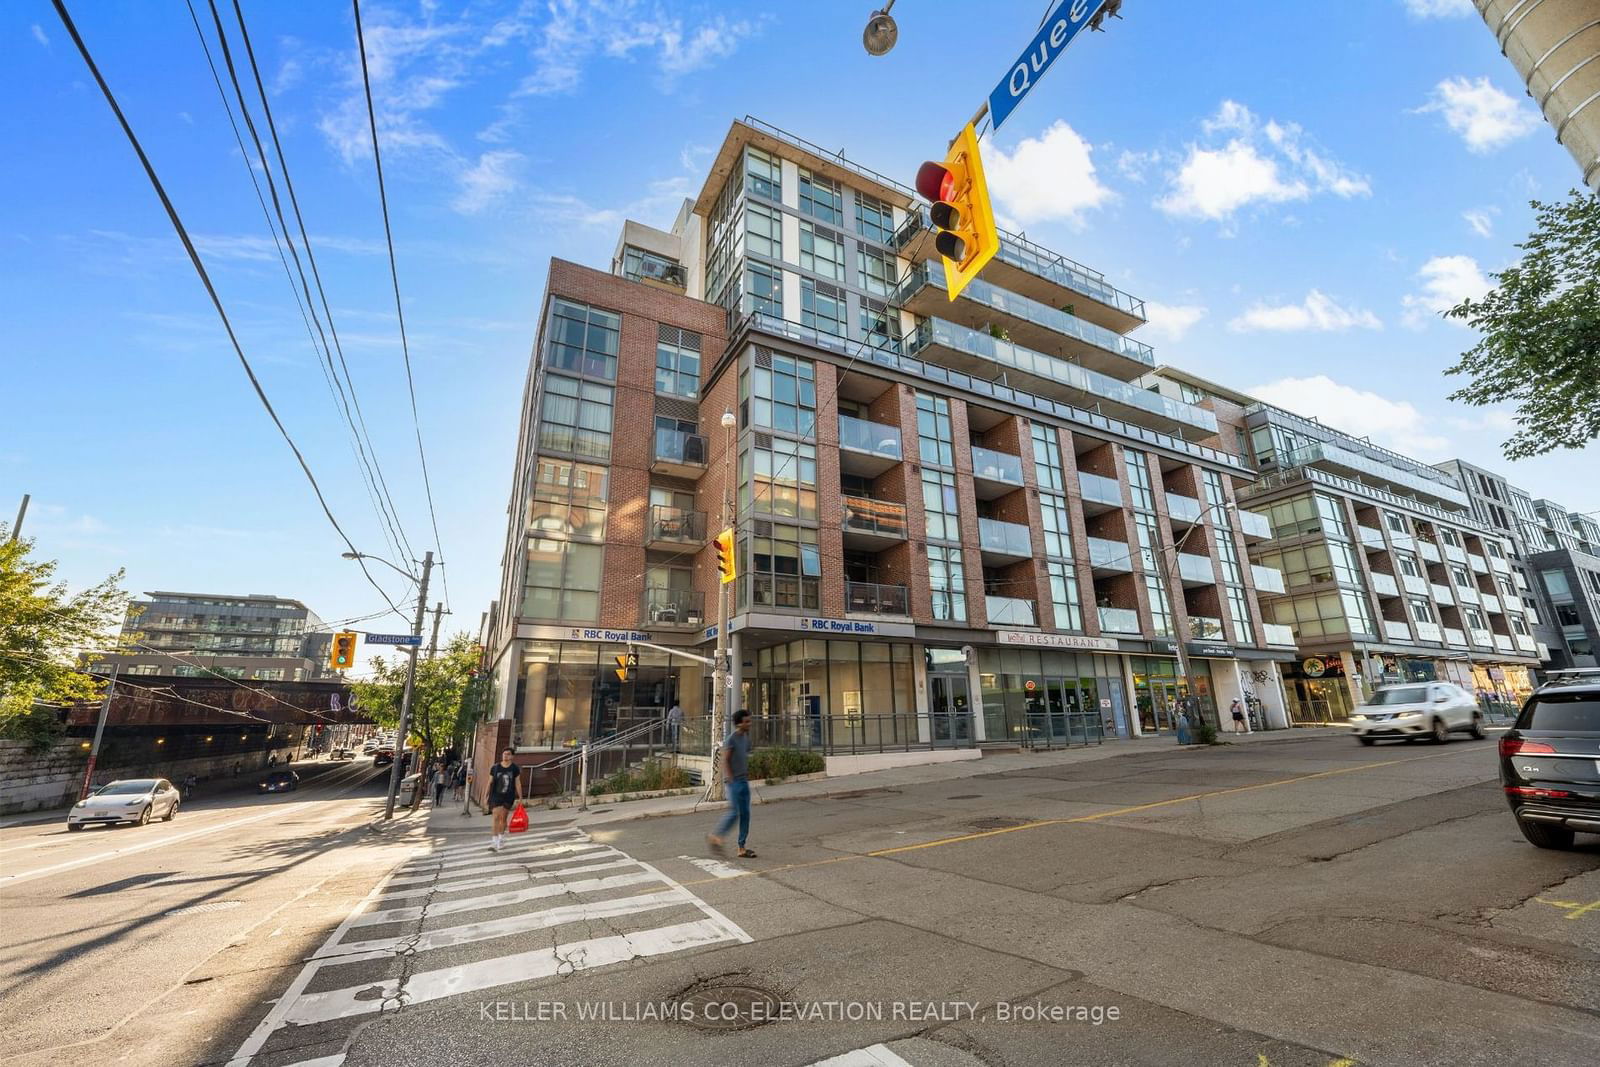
(1295, 197)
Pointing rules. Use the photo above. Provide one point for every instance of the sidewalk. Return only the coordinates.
(449, 819)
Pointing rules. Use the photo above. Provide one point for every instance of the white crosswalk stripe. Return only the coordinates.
(459, 921)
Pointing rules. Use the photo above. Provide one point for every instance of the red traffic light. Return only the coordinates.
(935, 182)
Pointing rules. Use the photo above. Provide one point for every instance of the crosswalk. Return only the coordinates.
(455, 921)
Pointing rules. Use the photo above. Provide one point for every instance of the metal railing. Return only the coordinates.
(668, 523)
(680, 446)
(865, 515)
(674, 607)
(873, 598)
(1205, 628)
(849, 735)
(1053, 729)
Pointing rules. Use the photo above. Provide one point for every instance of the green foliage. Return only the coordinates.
(772, 763)
(1205, 733)
(1540, 327)
(445, 701)
(43, 634)
(647, 777)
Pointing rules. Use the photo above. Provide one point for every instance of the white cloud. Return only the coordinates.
(1317, 312)
(1049, 178)
(1270, 162)
(1482, 115)
(1446, 282)
(1395, 424)
(1439, 9)
(39, 35)
(577, 30)
(1171, 321)
(487, 181)
(1133, 165)
(1481, 220)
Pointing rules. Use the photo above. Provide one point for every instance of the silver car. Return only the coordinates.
(135, 800)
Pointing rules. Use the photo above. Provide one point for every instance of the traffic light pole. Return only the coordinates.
(719, 672)
(405, 701)
(99, 728)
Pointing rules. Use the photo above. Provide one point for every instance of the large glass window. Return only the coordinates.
(822, 306)
(1064, 596)
(1139, 480)
(939, 500)
(874, 219)
(875, 272)
(821, 199)
(1057, 523)
(948, 583)
(583, 339)
(562, 580)
(763, 174)
(569, 500)
(575, 417)
(782, 479)
(1047, 464)
(1155, 586)
(677, 370)
(786, 396)
(785, 567)
(821, 252)
(880, 325)
(763, 231)
(1328, 614)
(1239, 611)
(763, 289)
(934, 433)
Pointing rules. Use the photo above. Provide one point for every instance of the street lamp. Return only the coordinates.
(881, 32)
(380, 559)
(1175, 586)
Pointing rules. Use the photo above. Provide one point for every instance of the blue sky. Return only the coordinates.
(1293, 194)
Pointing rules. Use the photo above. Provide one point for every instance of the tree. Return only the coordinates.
(1540, 327)
(43, 632)
(441, 712)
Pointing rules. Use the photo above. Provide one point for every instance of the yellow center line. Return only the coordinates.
(1039, 823)
(1573, 908)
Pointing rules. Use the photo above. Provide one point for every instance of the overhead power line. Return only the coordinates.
(211, 290)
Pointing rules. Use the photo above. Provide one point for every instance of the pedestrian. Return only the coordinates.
(1237, 711)
(272, 760)
(674, 724)
(189, 782)
(237, 767)
(439, 782)
(505, 791)
(1183, 727)
(460, 781)
(736, 775)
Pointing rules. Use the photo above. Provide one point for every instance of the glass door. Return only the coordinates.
(949, 707)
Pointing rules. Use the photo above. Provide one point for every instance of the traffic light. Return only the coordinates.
(725, 563)
(963, 219)
(625, 663)
(342, 654)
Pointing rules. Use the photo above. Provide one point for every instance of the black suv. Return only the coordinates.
(1550, 761)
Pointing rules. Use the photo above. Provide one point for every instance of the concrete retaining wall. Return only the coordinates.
(882, 761)
(35, 781)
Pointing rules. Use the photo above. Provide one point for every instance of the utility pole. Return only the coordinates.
(433, 643)
(16, 527)
(405, 701)
(719, 671)
(100, 727)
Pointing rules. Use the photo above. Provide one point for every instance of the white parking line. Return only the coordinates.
(505, 879)
(715, 867)
(871, 1056)
(500, 900)
(497, 861)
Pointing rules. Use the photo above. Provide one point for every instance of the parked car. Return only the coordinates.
(369, 748)
(342, 753)
(135, 800)
(279, 782)
(383, 757)
(1550, 761)
(1417, 709)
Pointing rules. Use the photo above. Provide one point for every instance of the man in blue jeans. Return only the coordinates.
(736, 774)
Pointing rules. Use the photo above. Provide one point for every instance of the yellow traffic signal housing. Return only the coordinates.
(622, 668)
(963, 219)
(342, 653)
(725, 563)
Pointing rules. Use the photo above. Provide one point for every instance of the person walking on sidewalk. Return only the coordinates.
(1237, 711)
(439, 782)
(674, 724)
(505, 790)
(736, 774)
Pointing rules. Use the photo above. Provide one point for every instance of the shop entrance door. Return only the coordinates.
(1164, 700)
(949, 709)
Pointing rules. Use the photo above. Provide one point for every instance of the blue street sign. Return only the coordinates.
(393, 639)
(1060, 27)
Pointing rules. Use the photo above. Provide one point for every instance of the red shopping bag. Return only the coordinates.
(519, 820)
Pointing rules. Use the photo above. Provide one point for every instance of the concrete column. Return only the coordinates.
(1134, 727)
(975, 696)
(736, 674)
(919, 675)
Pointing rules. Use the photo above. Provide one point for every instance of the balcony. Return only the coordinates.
(872, 524)
(1009, 611)
(867, 448)
(1481, 638)
(1522, 582)
(1371, 538)
(1413, 584)
(1454, 554)
(1429, 631)
(872, 598)
(1443, 594)
(1196, 570)
(1491, 604)
(1100, 494)
(1403, 542)
(1465, 594)
(994, 474)
(1384, 584)
(1527, 644)
(679, 453)
(1254, 526)
(1331, 450)
(1501, 564)
(1109, 557)
(1277, 635)
(1206, 628)
(674, 607)
(1504, 643)
(1003, 542)
(980, 354)
(1184, 510)
(1119, 621)
(1430, 551)
(1478, 564)
(1042, 327)
(674, 526)
(1455, 638)
(1396, 631)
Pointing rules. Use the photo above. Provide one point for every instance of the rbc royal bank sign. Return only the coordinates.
(1058, 30)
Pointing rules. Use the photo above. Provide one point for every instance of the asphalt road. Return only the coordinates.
(1302, 901)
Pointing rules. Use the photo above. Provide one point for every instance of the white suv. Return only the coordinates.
(1420, 709)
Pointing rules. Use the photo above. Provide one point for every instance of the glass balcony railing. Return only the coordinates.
(680, 447)
(873, 598)
(1004, 538)
(996, 466)
(676, 524)
(872, 437)
(1193, 568)
(1052, 368)
(1184, 509)
(1021, 307)
(1107, 555)
(674, 607)
(884, 518)
(1438, 485)
(1206, 628)
(1277, 634)
(1009, 611)
(1100, 489)
(1119, 621)
(1275, 480)
(1254, 525)
(1267, 579)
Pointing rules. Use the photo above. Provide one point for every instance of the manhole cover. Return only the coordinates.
(995, 823)
(727, 1004)
(964, 796)
(215, 905)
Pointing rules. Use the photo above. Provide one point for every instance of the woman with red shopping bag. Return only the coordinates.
(505, 793)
